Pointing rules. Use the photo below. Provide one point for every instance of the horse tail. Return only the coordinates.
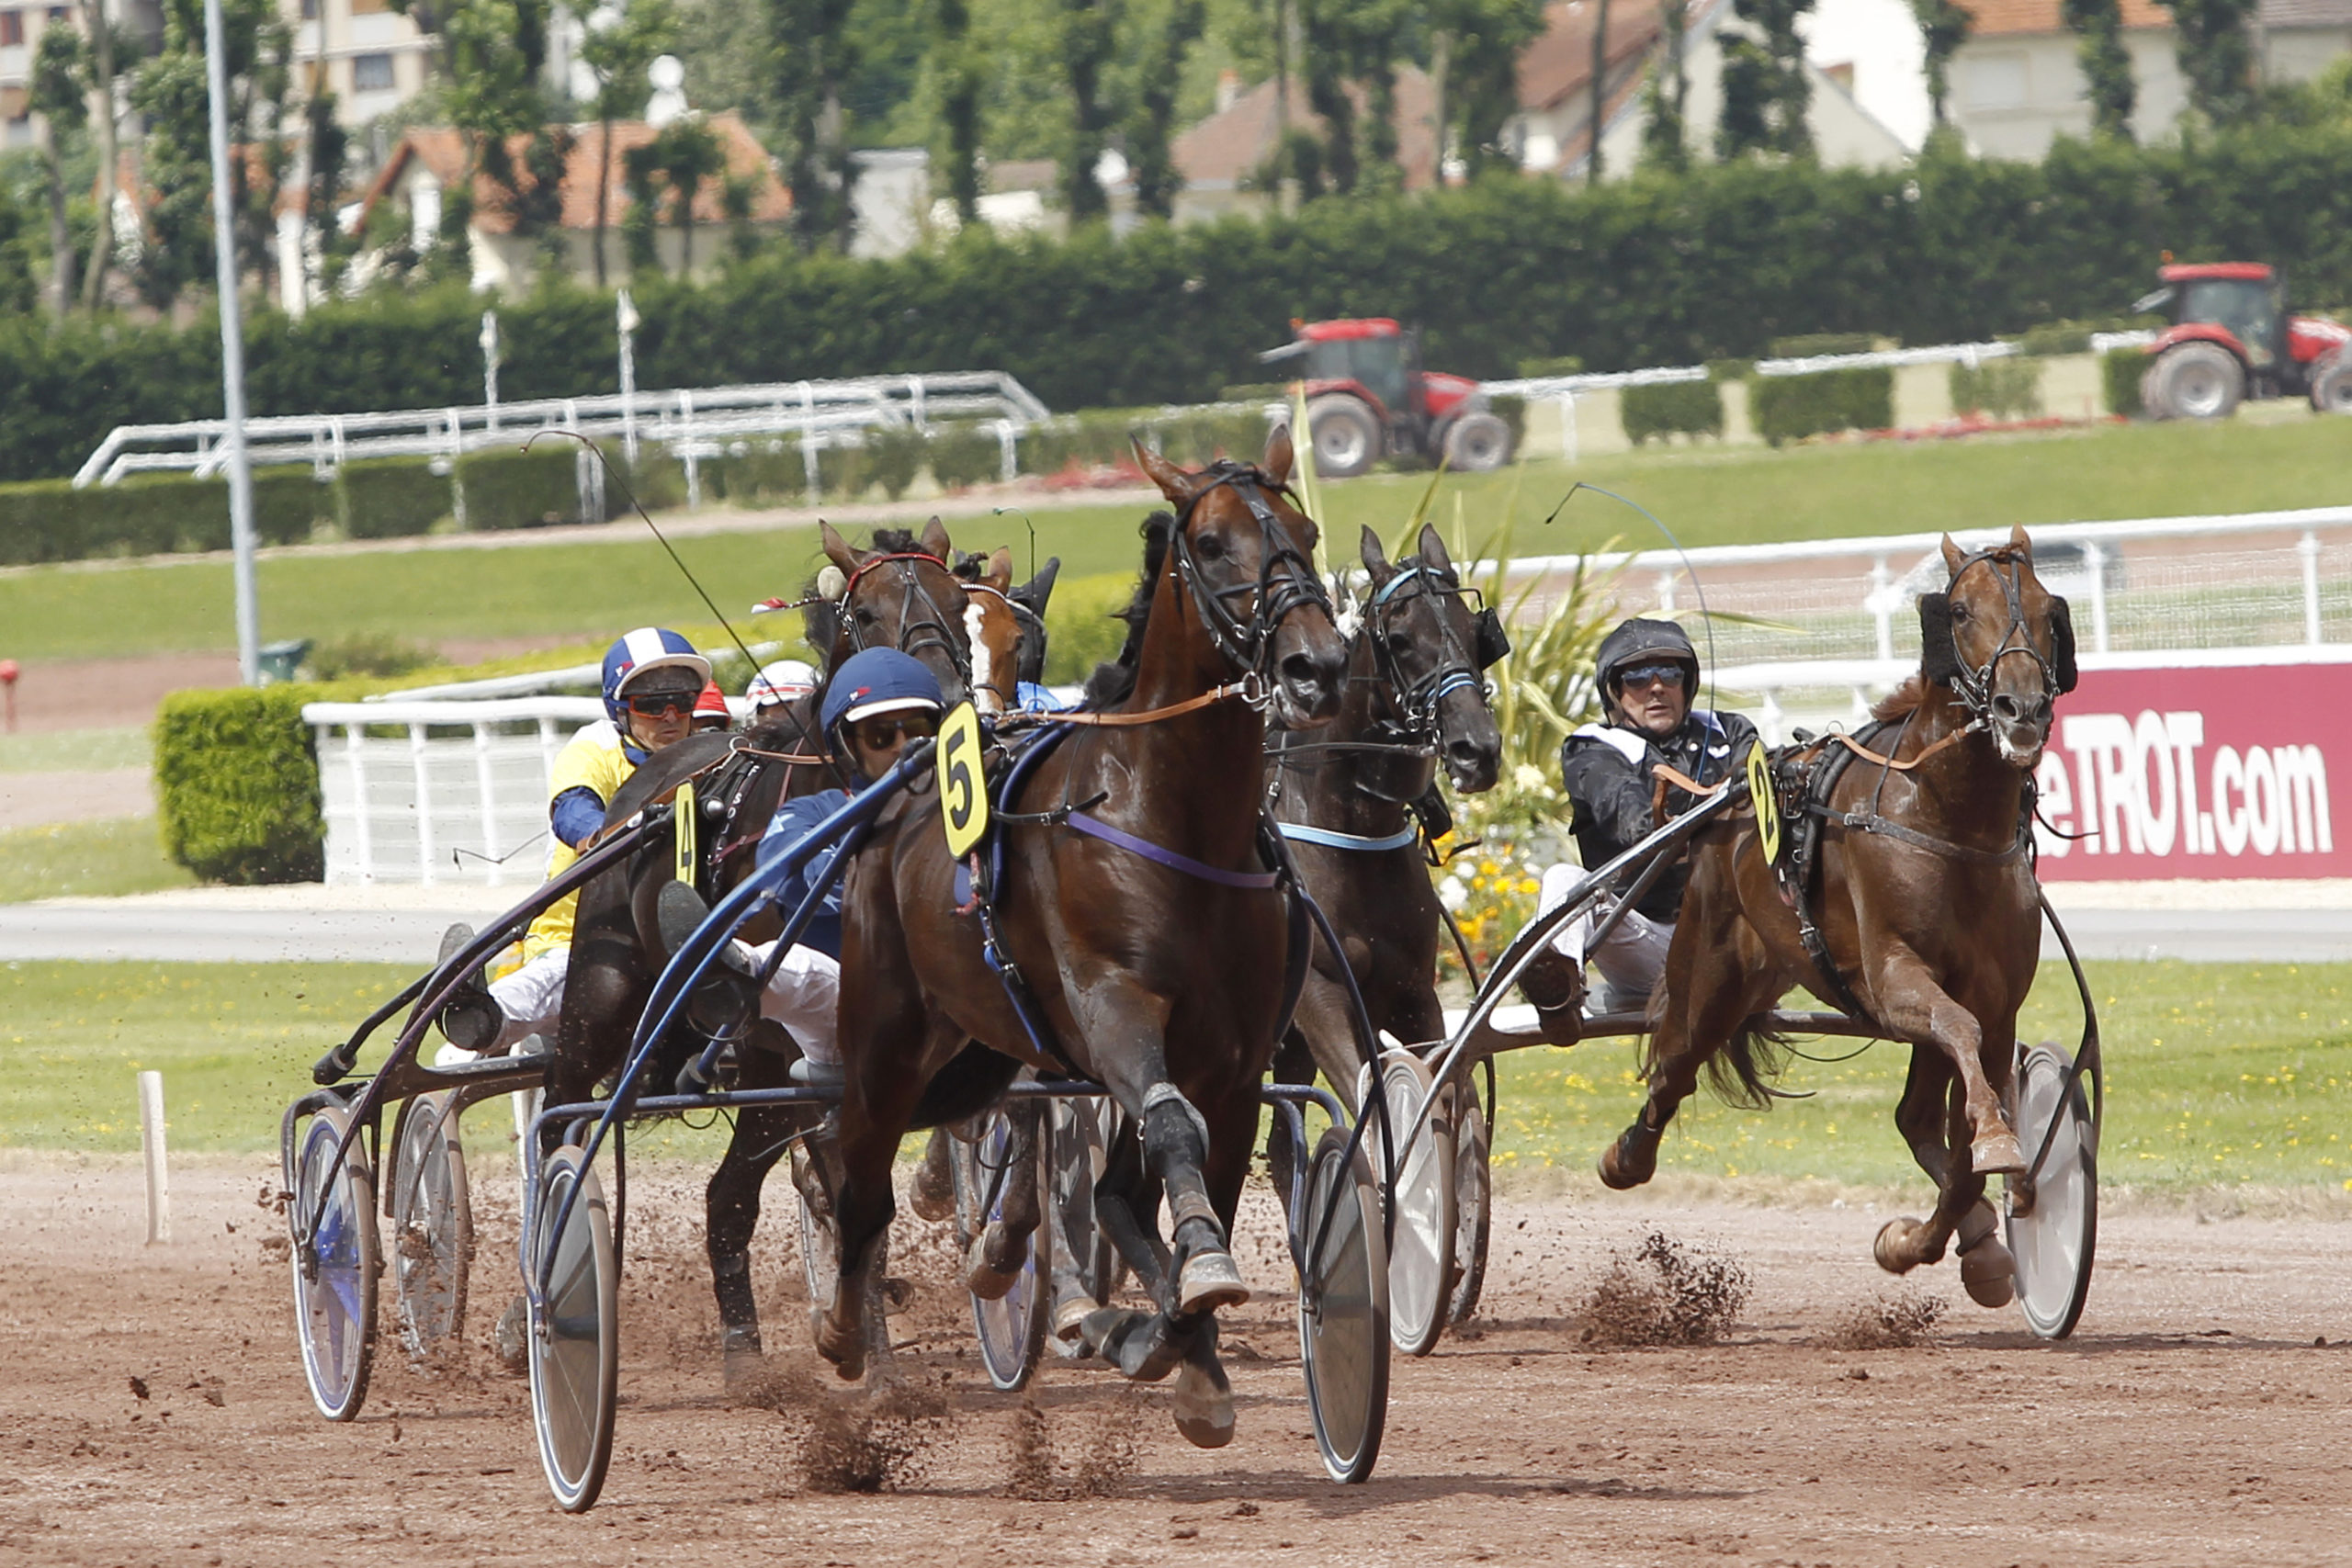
(1742, 1073)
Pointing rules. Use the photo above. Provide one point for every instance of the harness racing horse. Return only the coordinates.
(1349, 798)
(1128, 938)
(1928, 923)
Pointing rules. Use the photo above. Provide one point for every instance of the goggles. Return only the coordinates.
(1643, 677)
(654, 705)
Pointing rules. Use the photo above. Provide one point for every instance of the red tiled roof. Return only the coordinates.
(1236, 142)
(1559, 63)
(1997, 18)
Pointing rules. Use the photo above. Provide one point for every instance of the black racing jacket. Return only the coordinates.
(1606, 768)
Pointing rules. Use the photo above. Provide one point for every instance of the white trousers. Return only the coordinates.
(1634, 956)
(532, 999)
(803, 996)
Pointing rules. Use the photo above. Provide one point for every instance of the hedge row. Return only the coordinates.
(1676, 407)
(2002, 388)
(237, 784)
(2119, 371)
(1789, 408)
(1717, 264)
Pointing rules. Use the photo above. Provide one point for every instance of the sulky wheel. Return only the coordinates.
(2054, 1218)
(333, 1216)
(1012, 1328)
(574, 1336)
(432, 1224)
(1421, 1244)
(1343, 1310)
(1474, 1197)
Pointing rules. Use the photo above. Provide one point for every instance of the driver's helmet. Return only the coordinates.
(781, 680)
(638, 654)
(877, 680)
(1642, 641)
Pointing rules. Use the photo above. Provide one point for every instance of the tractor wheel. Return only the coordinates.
(2195, 380)
(1346, 438)
(1478, 442)
(2331, 387)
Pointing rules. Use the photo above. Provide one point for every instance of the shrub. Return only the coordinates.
(1789, 408)
(1684, 408)
(894, 456)
(2005, 388)
(1200, 438)
(368, 653)
(1083, 628)
(963, 454)
(389, 498)
(520, 489)
(49, 520)
(1554, 364)
(1047, 447)
(1722, 370)
(2120, 370)
(843, 472)
(237, 784)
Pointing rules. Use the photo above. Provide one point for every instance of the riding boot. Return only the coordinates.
(472, 1019)
(726, 993)
(1554, 983)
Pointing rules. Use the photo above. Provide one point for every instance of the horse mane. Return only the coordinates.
(896, 542)
(1905, 700)
(1116, 680)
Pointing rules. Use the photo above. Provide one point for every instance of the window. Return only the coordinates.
(12, 29)
(57, 12)
(371, 74)
(15, 104)
(1993, 82)
(309, 10)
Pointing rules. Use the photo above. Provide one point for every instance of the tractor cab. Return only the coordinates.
(2246, 299)
(1368, 397)
(1375, 355)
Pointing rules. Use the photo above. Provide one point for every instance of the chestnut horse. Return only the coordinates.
(1927, 903)
(1148, 949)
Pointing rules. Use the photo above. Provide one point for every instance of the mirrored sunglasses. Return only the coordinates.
(1648, 675)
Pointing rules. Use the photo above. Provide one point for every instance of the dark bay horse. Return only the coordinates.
(1151, 951)
(1927, 903)
(1345, 795)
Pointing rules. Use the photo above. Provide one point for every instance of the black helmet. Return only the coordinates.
(1640, 641)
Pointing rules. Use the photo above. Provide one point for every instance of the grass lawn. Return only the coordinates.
(1708, 495)
(2216, 1074)
(75, 751)
(101, 859)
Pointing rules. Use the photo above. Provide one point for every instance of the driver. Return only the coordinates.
(875, 704)
(652, 678)
(1646, 672)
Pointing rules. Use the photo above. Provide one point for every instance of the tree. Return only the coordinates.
(619, 47)
(169, 90)
(1156, 176)
(815, 56)
(1943, 28)
(328, 148)
(1090, 34)
(60, 96)
(1351, 46)
(495, 55)
(956, 60)
(1766, 92)
(1599, 112)
(2216, 54)
(2107, 66)
(1480, 90)
(1665, 144)
(106, 55)
(684, 155)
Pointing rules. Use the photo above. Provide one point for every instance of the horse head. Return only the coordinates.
(995, 630)
(900, 593)
(2002, 641)
(1241, 553)
(1431, 646)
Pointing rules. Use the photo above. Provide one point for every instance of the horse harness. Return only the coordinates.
(917, 632)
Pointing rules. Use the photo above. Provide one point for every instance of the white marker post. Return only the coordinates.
(151, 1141)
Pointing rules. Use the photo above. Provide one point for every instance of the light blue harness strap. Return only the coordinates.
(1330, 839)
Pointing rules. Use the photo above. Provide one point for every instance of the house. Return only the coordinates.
(1554, 125)
(371, 57)
(2017, 83)
(1224, 158)
(426, 163)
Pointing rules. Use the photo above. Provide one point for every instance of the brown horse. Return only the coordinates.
(1151, 953)
(1927, 903)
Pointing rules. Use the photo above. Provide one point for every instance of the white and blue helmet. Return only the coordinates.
(645, 650)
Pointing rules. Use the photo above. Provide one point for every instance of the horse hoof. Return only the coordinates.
(982, 1278)
(1203, 1403)
(1211, 1280)
(745, 1370)
(1995, 1154)
(1987, 1269)
(933, 1195)
(1623, 1170)
(1894, 1249)
(1068, 1328)
(843, 1346)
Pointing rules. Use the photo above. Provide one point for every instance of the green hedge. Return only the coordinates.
(237, 784)
(1789, 408)
(391, 497)
(1082, 625)
(520, 489)
(2004, 388)
(2119, 371)
(49, 520)
(1717, 264)
(962, 455)
(1674, 407)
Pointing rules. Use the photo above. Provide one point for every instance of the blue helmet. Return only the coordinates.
(877, 680)
(644, 649)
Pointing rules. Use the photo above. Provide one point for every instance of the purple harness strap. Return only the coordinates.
(1170, 858)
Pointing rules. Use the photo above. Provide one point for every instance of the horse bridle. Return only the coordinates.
(1456, 669)
(1974, 683)
(1248, 646)
(915, 634)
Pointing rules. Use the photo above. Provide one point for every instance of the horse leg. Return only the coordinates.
(1203, 1395)
(1001, 1247)
(732, 1210)
(1904, 1244)
(1916, 1009)
(1703, 1011)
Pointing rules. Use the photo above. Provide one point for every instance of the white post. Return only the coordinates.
(418, 758)
(354, 749)
(1008, 453)
(1666, 593)
(484, 771)
(1567, 427)
(151, 1144)
(1882, 609)
(490, 365)
(2308, 547)
(233, 352)
(2096, 558)
(814, 491)
(626, 315)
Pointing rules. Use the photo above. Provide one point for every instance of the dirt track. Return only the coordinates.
(2194, 1419)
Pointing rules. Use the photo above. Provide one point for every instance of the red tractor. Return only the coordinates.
(1367, 397)
(2232, 338)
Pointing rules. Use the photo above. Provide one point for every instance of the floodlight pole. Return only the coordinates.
(232, 353)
